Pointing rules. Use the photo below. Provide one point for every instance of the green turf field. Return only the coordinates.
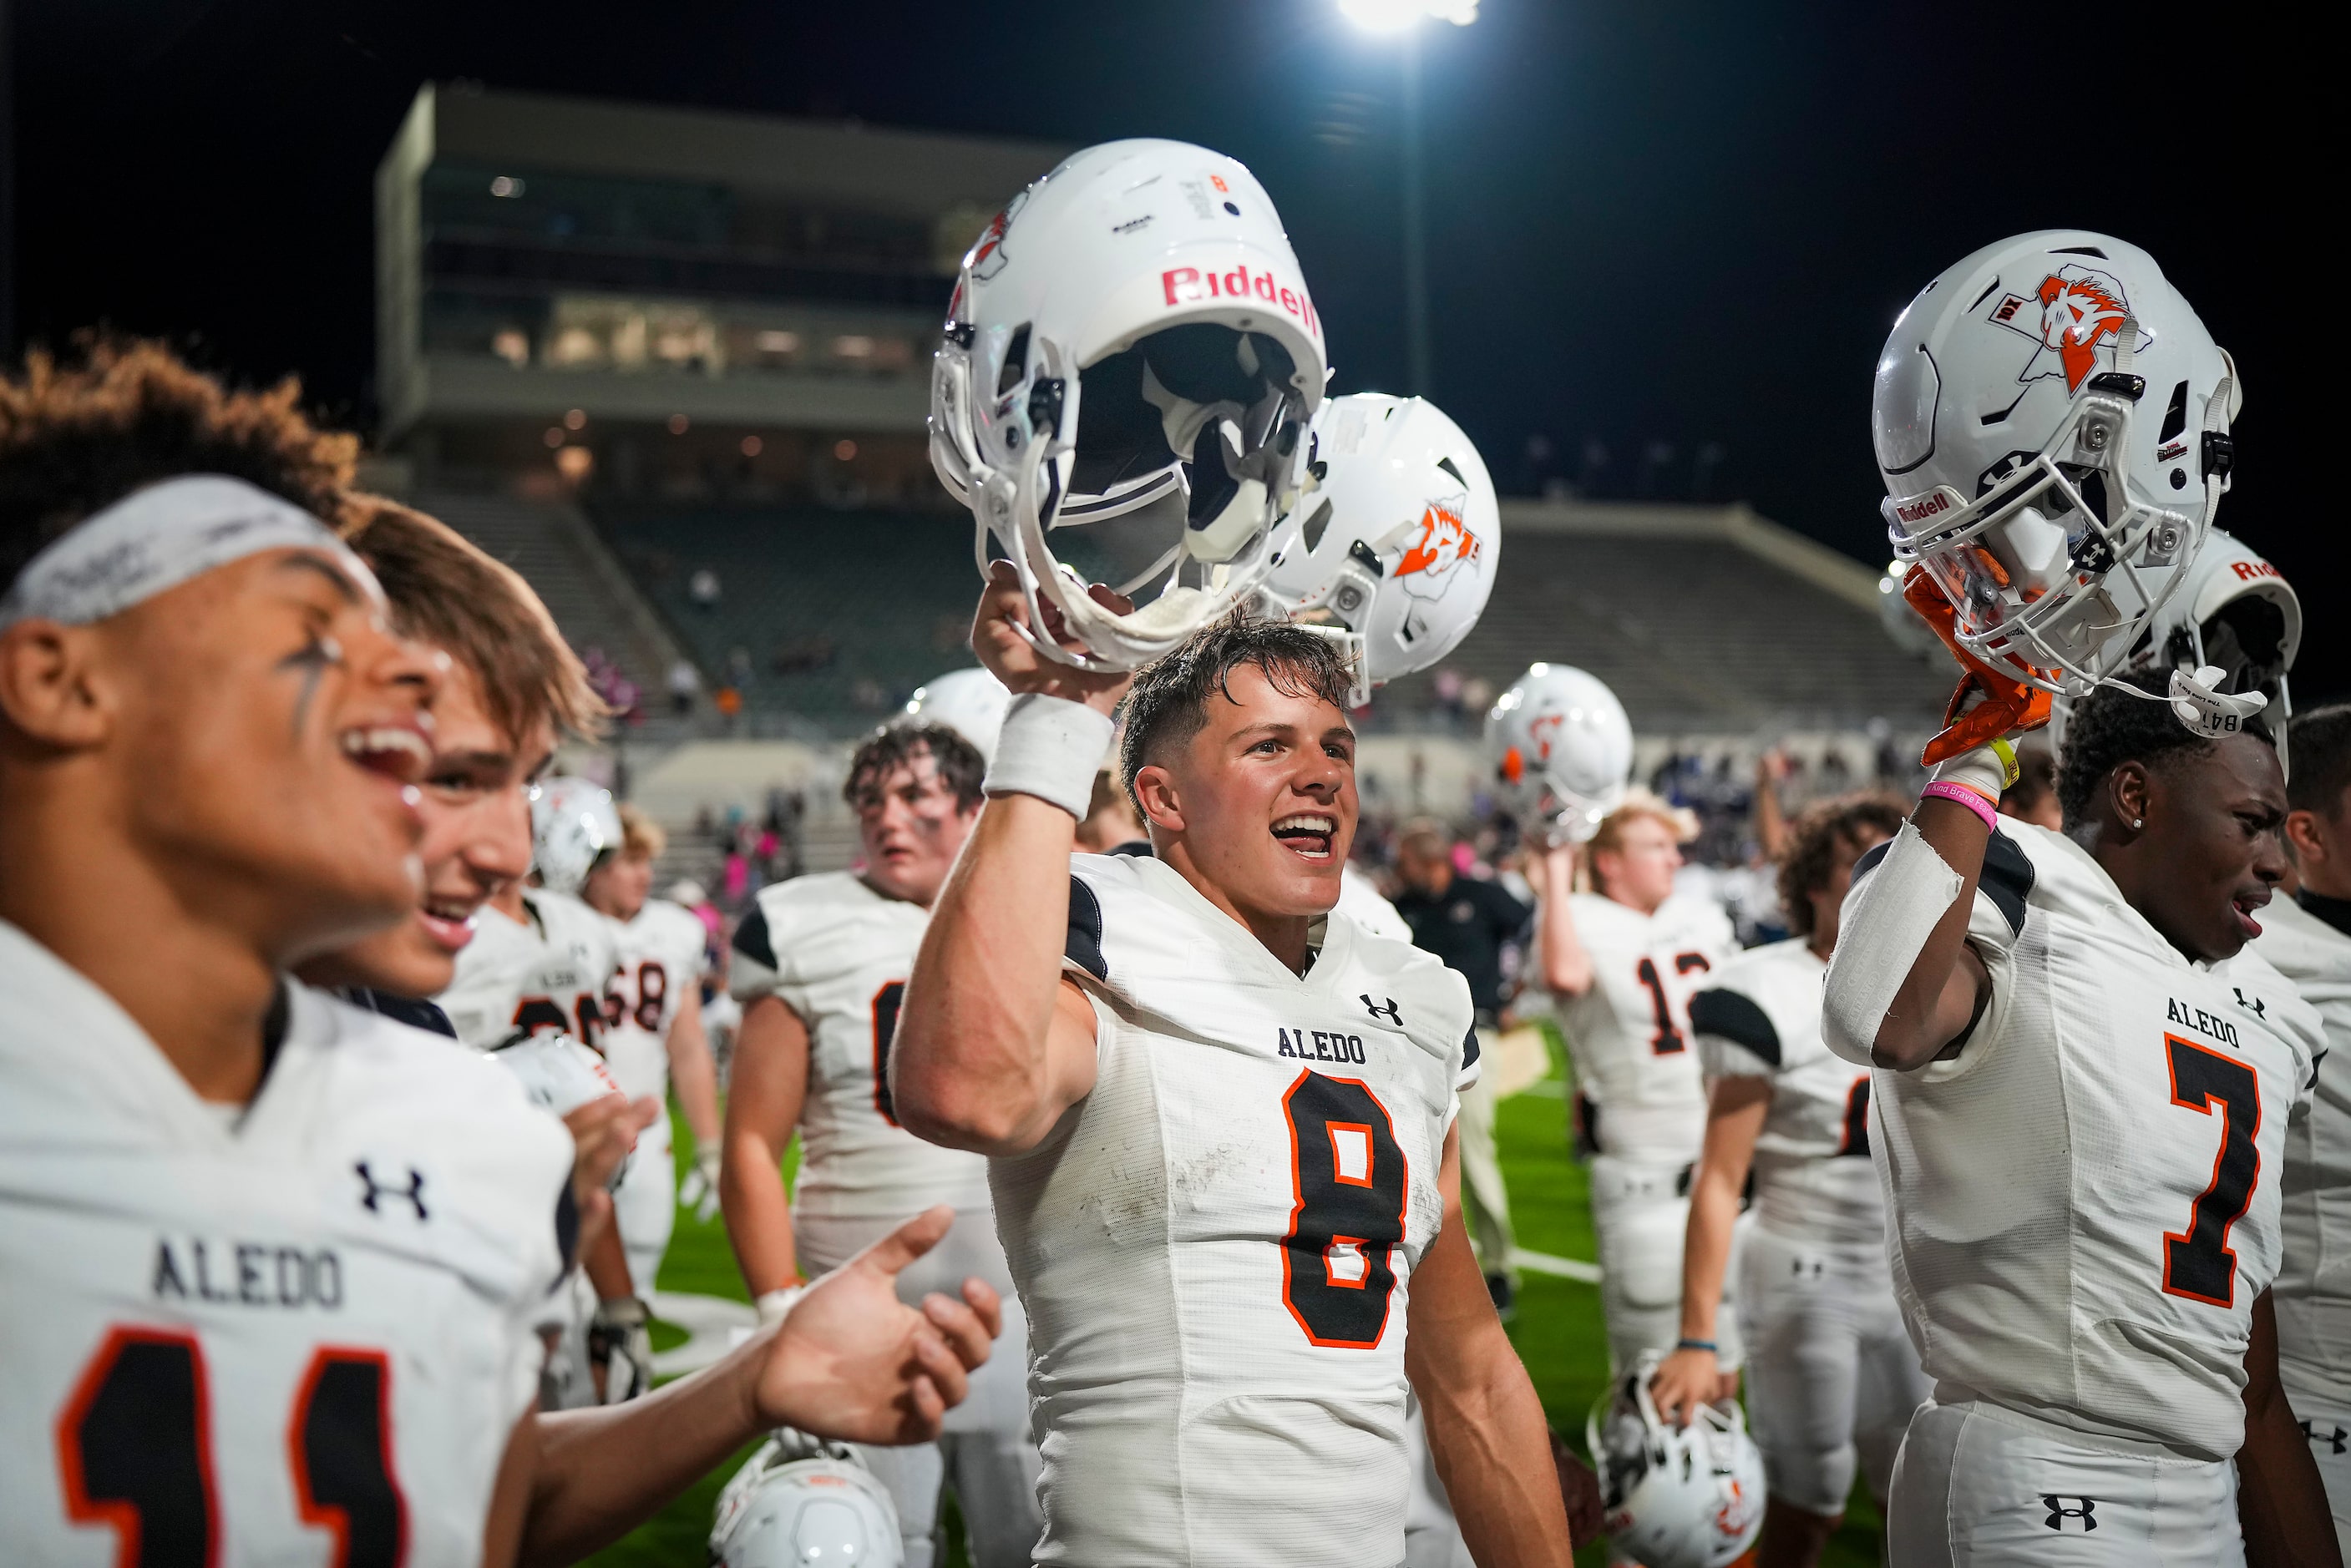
(1558, 1329)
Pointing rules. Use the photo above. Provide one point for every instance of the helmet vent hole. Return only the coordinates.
(1989, 289)
(1015, 361)
(2079, 251)
(1447, 464)
(2175, 416)
(1312, 536)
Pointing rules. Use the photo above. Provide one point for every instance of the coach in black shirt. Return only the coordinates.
(1467, 923)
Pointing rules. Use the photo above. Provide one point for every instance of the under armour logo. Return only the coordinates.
(2256, 1006)
(2335, 1439)
(1390, 1012)
(413, 1193)
(2059, 1514)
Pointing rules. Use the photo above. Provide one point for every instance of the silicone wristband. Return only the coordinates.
(1961, 794)
(1706, 1345)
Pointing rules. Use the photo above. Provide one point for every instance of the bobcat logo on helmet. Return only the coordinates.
(1445, 542)
(2081, 308)
(989, 256)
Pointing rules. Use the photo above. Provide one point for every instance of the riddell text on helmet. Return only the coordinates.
(1182, 285)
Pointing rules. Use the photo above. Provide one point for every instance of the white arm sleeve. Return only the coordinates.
(1887, 917)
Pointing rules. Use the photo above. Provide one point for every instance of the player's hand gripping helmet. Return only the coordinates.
(1676, 1496)
(559, 1074)
(799, 1501)
(2052, 423)
(1400, 535)
(2235, 614)
(971, 703)
(1130, 328)
(573, 826)
(1562, 750)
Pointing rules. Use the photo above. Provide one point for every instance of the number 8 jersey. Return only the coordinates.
(1216, 1246)
(2084, 1200)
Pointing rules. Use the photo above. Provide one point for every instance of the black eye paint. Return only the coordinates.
(313, 663)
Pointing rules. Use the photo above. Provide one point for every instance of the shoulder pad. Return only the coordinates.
(1085, 946)
(1735, 1016)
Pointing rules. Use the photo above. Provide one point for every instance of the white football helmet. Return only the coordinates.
(1561, 749)
(971, 703)
(2235, 613)
(1676, 1496)
(797, 1502)
(2051, 425)
(573, 826)
(1132, 328)
(1400, 535)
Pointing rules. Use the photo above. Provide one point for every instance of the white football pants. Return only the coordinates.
(2323, 1404)
(1432, 1536)
(1831, 1378)
(1639, 1216)
(987, 1452)
(1981, 1486)
(644, 1205)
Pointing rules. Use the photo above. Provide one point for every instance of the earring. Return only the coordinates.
(2138, 822)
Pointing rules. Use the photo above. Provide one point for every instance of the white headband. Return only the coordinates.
(159, 538)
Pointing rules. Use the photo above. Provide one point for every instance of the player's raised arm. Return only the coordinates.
(1567, 964)
(992, 1044)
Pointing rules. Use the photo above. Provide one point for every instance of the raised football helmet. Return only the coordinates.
(559, 1074)
(1561, 749)
(971, 703)
(1400, 535)
(1676, 1496)
(2052, 423)
(799, 1501)
(1131, 329)
(573, 826)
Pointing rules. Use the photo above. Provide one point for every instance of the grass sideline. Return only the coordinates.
(1558, 1329)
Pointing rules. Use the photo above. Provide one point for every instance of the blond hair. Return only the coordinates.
(640, 833)
(1638, 804)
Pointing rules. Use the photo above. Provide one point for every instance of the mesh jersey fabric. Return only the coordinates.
(2061, 1190)
(347, 1269)
(1216, 1245)
(838, 953)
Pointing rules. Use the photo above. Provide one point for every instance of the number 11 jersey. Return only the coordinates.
(1216, 1245)
(2084, 1200)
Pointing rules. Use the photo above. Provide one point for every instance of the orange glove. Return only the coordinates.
(2008, 705)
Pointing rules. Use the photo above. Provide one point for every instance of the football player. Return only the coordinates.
(1832, 1376)
(1219, 1120)
(2081, 1082)
(1623, 961)
(2308, 938)
(273, 1257)
(820, 965)
(653, 1038)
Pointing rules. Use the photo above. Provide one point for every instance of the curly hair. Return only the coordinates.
(1168, 703)
(447, 591)
(2111, 727)
(960, 766)
(79, 434)
(1824, 833)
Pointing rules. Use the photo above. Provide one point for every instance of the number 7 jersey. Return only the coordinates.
(1216, 1246)
(2084, 1201)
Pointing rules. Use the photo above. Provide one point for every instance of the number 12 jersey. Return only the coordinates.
(1216, 1245)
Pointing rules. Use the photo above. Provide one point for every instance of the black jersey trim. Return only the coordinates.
(416, 1012)
(567, 1227)
(2007, 880)
(1085, 946)
(1734, 1016)
(751, 938)
(2335, 912)
(1469, 1048)
(1134, 848)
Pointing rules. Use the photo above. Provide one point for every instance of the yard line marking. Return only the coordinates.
(1549, 1088)
(1564, 1268)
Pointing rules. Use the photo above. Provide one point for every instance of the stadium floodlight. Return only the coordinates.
(1395, 15)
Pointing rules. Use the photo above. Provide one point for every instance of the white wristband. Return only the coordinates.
(1051, 748)
(1988, 770)
(776, 1303)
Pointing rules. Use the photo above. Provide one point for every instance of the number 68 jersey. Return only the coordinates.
(2084, 1200)
(298, 1336)
(1216, 1246)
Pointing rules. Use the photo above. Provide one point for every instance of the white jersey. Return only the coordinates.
(1760, 1017)
(1216, 1245)
(2085, 1199)
(661, 954)
(2312, 1293)
(547, 975)
(1361, 902)
(838, 954)
(244, 1338)
(1629, 1034)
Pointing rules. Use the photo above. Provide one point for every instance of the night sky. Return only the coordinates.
(1648, 223)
